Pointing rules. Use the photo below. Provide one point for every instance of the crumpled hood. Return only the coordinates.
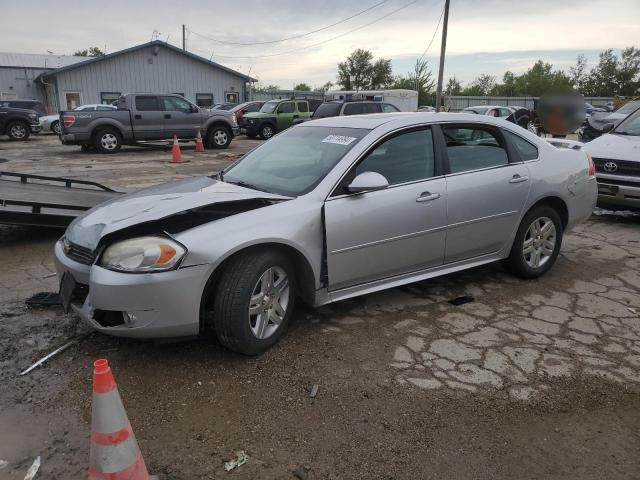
(153, 204)
(600, 119)
(615, 147)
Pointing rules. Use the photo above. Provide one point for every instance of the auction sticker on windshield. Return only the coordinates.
(339, 139)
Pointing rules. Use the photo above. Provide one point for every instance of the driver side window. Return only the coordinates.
(406, 157)
(286, 108)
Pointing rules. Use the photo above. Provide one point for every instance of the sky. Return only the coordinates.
(485, 36)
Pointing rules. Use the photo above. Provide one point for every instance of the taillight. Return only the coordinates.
(592, 166)
(68, 120)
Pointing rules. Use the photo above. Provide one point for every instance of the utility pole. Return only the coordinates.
(184, 38)
(443, 48)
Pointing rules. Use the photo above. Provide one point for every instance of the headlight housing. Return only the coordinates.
(143, 254)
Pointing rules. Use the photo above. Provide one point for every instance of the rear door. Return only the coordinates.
(179, 119)
(285, 113)
(302, 110)
(487, 186)
(147, 119)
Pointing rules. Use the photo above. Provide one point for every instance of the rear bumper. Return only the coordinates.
(74, 138)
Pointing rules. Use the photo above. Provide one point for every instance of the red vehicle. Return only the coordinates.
(242, 108)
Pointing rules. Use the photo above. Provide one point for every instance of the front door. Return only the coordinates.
(388, 232)
(485, 192)
(148, 118)
(179, 118)
(285, 113)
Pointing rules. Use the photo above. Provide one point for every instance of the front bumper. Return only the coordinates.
(150, 305)
(36, 128)
(618, 191)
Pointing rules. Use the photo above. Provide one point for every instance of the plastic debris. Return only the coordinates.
(314, 391)
(241, 459)
(33, 469)
(3, 464)
(44, 299)
(462, 300)
(632, 310)
(54, 353)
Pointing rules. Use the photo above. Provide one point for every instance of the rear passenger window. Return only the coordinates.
(404, 158)
(474, 148)
(147, 104)
(286, 108)
(353, 109)
(303, 107)
(526, 150)
(388, 108)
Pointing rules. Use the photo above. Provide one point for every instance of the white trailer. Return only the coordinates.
(405, 100)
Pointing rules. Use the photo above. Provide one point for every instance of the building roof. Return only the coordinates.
(36, 60)
(145, 45)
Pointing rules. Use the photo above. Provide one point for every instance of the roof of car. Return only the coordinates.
(374, 120)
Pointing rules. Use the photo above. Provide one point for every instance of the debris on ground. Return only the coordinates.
(3, 464)
(241, 459)
(632, 310)
(314, 391)
(33, 469)
(43, 299)
(462, 300)
(54, 353)
(302, 472)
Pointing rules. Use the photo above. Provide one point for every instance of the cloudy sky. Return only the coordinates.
(485, 36)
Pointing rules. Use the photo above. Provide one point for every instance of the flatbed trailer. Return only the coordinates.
(37, 200)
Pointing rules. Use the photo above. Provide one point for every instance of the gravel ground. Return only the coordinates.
(536, 379)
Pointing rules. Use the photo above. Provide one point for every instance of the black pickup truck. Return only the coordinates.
(146, 117)
(18, 123)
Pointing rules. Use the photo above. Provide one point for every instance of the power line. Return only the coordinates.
(433, 36)
(224, 42)
(324, 41)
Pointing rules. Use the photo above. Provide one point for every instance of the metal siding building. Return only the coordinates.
(154, 67)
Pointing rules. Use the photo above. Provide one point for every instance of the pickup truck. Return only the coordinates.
(18, 123)
(146, 117)
(274, 116)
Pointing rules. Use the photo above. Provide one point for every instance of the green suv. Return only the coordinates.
(274, 116)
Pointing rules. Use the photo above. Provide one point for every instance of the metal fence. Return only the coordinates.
(457, 103)
(284, 94)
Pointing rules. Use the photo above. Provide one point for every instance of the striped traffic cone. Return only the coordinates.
(114, 453)
(199, 144)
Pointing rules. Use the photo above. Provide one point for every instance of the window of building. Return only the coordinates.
(147, 103)
(231, 97)
(108, 98)
(72, 99)
(204, 100)
(473, 148)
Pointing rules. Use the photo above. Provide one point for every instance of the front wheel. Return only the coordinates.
(267, 131)
(55, 127)
(537, 243)
(219, 137)
(18, 131)
(254, 301)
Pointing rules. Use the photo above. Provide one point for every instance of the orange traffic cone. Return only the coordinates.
(199, 144)
(114, 453)
(175, 151)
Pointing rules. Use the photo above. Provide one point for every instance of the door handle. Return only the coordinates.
(517, 178)
(427, 197)
(166, 115)
(137, 117)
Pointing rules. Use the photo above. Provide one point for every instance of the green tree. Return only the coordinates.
(90, 52)
(420, 79)
(360, 72)
(481, 86)
(628, 72)
(325, 87)
(601, 80)
(453, 87)
(578, 73)
(381, 74)
(302, 87)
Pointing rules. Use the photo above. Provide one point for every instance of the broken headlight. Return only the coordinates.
(143, 254)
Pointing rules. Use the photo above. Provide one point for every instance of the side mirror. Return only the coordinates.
(193, 109)
(607, 127)
(368, 182)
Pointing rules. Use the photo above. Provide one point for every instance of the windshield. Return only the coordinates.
(269, 107)
(295, 161)
(630, 125)
(627, 108)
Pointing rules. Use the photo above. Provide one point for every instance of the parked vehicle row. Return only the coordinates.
(301, 216)
(146, 117)
(18, 123)
(596, 124)
(51, 123)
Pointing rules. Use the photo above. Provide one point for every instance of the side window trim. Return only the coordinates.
(413, 128)
(515, 150)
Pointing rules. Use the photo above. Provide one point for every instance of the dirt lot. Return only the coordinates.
(537, 379)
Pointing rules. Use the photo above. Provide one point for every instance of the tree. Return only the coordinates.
(628, 72)
(266, 88)
(420, 79)
(481, 86)
(453, 87)
(302, 87)
(578, 73)
(355, 72)
(325, 87)
(381, 74)
(601, 80)
(90, 52)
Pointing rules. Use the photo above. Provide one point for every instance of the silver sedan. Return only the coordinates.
(325, 211)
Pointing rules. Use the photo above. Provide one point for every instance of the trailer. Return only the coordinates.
(37, 200)
(404, 100)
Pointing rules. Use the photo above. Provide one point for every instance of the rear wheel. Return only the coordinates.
(18, 131)
(267, 131)
(219, 137)
(537, 243)
(108, 140)
(254, 301)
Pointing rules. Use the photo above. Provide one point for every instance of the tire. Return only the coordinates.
(18, 131)
(235, 326)
(525, 265)
(219, 137)
(267, 131)
(55, 127)
(107, 140)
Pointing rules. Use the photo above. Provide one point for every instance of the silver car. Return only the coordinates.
(325, 211)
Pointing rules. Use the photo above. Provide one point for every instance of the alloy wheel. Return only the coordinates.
(267, 132)
(18, 132)
(539, 242)
(269, 302)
